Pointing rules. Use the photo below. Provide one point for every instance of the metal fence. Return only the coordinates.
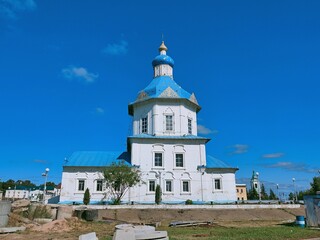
(312, 207)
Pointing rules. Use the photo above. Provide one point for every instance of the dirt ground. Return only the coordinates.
(223, 217)
(73, 227)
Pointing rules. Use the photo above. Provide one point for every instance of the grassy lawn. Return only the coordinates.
(243, 233)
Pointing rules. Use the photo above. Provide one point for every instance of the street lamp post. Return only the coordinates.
(278, 192)
(201, 169)
(45, 175)
(294, 190)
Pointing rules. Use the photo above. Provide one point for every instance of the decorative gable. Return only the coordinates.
(169, 93)
(193, 99)
(142, 95)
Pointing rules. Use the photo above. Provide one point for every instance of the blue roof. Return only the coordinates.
(216, 163)
(159, 84)
(162, 59)
(168, 137)
(166, 88)
(96, 158)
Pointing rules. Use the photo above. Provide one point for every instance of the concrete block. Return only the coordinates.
(127, 234)
(64, 212)
(88, 236)
(11, 229)
(42, 220)
(152, 235)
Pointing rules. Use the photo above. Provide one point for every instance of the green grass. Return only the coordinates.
(243, 233)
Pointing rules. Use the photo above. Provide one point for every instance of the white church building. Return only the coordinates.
(164, 147)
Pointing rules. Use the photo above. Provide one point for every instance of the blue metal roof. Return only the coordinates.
(162, 59)
(96, 158)
(160, 84)
(166, 88)
(168, 137)
(216, 163)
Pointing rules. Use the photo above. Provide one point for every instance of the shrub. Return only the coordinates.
(189, 202)
(37, 211)
(86, 197)
(158, 195)
(116, 201)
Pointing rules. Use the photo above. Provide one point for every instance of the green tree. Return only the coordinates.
(291, 196)
(119, 178)
(48, 184)
(86, 197)
(302, 193)
(264, 195)
(8, 184)
(158, 195)
(272, 195)
(253, 194)
(27, 183)
(315, 185)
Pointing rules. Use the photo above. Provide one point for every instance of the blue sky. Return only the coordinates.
(68, 70)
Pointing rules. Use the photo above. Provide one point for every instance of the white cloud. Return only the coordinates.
(239, 148)
(116, 48)
(9, 9)
(299, 167)
(100, 110)
(273, 155)
(204, 130)
(79, 73)
(40, 161)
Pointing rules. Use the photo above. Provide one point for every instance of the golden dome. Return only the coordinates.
(162, 47)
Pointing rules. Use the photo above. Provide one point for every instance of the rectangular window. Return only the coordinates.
(168, 186)
(169, 123)
(152, 186)
(217, 184)
(179, 160)
(81, 185)
(99, 186)
(144, 125)
(189, 126)
(185, 186)
(158, 159)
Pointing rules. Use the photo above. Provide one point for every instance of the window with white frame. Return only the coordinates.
(81, 185)
(169, 186)
(99, 185)
(189, 126)
(185, 186)
(158, 161)
(179, 160)
(152, 185)
(144, 125)
(217, 184)
(169, 122)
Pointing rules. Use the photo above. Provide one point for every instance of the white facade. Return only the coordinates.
(76, 180)
(164, 147)
(156, 112)
(17, 194)
(30, 194)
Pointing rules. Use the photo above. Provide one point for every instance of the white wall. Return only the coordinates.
(194, 155)
(140, 193)
(156, 118)
(70, 182)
